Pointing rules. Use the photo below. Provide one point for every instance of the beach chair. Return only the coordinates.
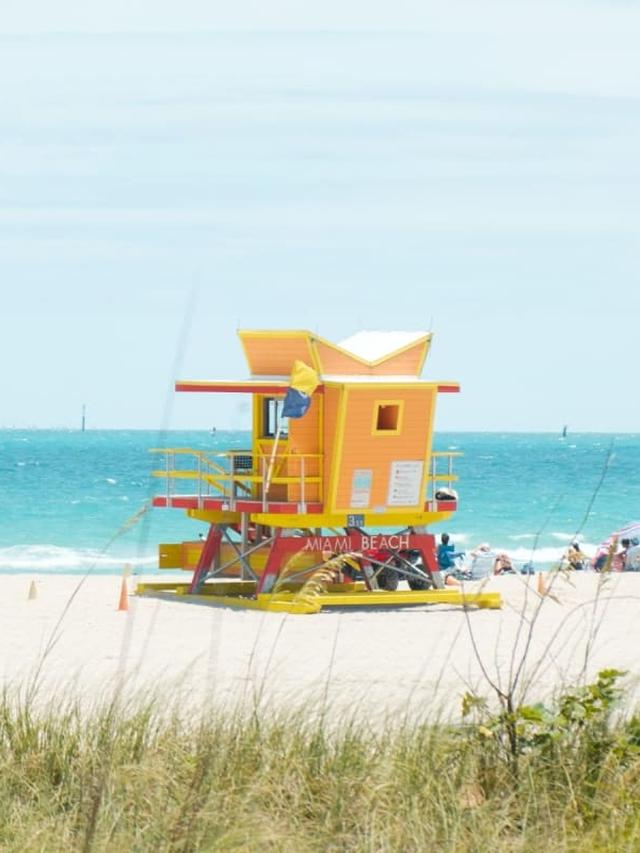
(632, 562)
(482, 565)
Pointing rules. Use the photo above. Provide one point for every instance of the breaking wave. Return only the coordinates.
(53, 558)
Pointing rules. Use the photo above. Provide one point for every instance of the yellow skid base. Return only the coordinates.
(241, 594)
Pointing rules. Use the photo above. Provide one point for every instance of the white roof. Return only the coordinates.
(374, 345)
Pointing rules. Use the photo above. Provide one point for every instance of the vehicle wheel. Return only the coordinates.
(419, 583)
(388, 579)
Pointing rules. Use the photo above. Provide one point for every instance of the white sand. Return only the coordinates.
(420, 659)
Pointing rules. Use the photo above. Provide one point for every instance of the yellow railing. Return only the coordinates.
(294, 477)
(241, 475)
(436, 480)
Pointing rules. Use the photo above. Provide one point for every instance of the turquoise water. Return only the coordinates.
(65, 497)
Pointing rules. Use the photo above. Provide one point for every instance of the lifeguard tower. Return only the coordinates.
(344, 491)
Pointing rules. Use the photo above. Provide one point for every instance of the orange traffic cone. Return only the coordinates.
(123, 604)
(542, 589)
(33, 591)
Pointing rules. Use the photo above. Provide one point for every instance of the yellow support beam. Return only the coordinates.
(295, 603)
(241, 594)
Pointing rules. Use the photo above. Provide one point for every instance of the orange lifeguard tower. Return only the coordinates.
(352, 483)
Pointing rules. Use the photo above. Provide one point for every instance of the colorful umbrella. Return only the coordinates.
(630, 531)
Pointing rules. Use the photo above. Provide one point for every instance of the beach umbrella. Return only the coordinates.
(630, 531)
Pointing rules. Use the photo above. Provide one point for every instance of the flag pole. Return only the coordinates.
(272, 459)
(304, 381)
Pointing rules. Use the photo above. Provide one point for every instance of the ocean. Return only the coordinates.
(74, 501)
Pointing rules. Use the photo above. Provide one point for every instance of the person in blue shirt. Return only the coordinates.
(447, 554)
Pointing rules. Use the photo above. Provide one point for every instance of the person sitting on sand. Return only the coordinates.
(575, 557)
(619, 562)
(600, 560)
(480, 566)
(482, 549)
(447, 554)
(502, 564)
(481, 561)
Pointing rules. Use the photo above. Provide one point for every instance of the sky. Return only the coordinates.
(170, 173)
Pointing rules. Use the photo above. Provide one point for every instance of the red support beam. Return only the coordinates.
(210, 550)
(284, 547)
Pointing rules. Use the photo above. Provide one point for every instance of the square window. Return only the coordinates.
(388, 417)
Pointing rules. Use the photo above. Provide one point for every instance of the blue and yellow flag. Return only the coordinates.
(304, 381)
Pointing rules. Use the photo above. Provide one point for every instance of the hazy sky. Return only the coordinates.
(473, 167)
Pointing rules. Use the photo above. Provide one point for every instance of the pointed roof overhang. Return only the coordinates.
(270, 352)
(279, 386)
(230, 386)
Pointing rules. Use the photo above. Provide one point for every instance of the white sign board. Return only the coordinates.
(361, 488)
(405, 481)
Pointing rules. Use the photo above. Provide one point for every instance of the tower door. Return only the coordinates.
(271, 430)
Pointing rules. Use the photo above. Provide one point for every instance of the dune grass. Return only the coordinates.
(123, 778)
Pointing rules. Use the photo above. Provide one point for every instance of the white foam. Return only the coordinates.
(544, 555)
(55, 558)
(540, 555)
(563, 537)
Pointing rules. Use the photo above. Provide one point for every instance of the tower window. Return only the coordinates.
(272, 418)
(387, 417)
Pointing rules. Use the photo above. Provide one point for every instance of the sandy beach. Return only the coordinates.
(419, 660)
